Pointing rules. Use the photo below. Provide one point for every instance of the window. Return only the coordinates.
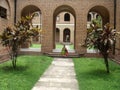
(89, 17)
(3, 12)
(67, 17)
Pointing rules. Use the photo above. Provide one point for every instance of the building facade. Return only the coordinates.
(50, 10)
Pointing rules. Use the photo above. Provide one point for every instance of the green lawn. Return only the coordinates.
(28, 71)
(91, 74)
(60, 46)
(35, 46)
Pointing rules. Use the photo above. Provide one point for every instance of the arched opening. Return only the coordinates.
(66, 35)
(35, 42)
(66, 29)
(102, 12)
(96, 17)
(100, 15)
(67, 17)
(89, 17)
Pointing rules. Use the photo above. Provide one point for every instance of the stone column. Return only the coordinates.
(61, 35)
(92, 17)
(72, 35)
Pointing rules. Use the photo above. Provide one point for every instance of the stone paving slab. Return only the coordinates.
(59, 76)
(60, 84)
(51, 88)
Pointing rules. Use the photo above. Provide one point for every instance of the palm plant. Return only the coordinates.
(102, 40)
(13, 38)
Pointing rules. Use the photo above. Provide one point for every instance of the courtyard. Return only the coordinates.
(59, 45)
(90, 74)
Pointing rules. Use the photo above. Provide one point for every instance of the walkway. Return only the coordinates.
(59, 76)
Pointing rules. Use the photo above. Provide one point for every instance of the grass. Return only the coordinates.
(27, 73)
(60, 46)
(91, 74)
(35, 46)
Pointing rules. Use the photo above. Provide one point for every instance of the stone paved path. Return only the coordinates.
(59, 76)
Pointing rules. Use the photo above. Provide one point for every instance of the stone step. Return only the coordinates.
(58, 54)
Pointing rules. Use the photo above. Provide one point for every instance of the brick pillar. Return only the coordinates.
(118, 27)
(48, 33)
(80, 33)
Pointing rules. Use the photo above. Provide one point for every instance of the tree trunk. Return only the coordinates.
(14, 63)
(14, 59)
(106, 62)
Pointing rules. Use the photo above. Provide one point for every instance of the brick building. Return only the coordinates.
(50, 10)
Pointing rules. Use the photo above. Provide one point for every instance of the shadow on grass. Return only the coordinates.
(97, 74)
(11, 69)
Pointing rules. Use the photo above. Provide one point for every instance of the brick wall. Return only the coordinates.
(9, 5)
(51, 8)
(118, 21)
(117, 55)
